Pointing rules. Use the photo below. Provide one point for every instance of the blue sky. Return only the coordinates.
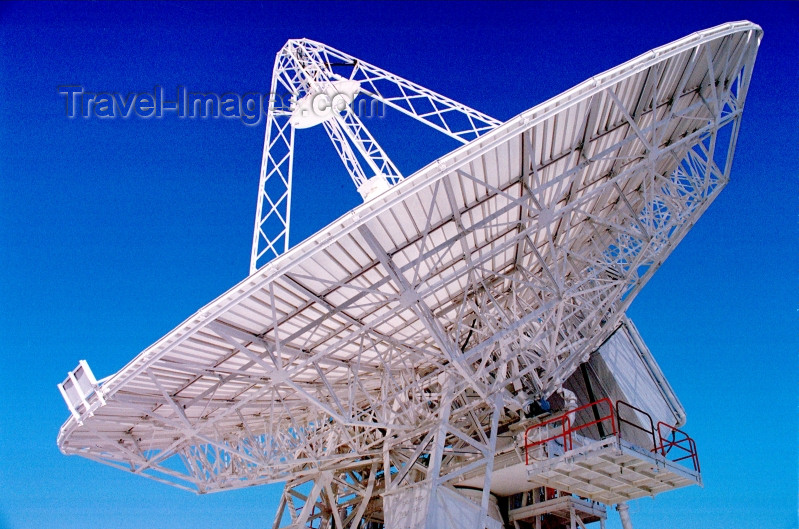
(113, 231)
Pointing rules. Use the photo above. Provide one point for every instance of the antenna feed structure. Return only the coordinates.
(328, 87)
(324, 102)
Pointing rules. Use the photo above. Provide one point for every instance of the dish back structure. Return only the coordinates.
(392, 349)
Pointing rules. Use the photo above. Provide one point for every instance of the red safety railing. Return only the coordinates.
(680, 441)
(620, 405)
(674, 439)
(565, 433)
(566, 427)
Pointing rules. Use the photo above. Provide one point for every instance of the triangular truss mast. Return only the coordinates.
(314, 84)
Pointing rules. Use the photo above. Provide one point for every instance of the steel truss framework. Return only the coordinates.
(304, 69)
(388, 351)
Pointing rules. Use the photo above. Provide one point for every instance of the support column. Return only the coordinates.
(624, 514)
(489, 456)
(315, 500)
(310, 504)
(437, 454)
(337, 499)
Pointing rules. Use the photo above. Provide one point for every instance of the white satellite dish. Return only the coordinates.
(388, 363)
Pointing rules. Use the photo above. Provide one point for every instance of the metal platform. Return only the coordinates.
(565, 508)
(612, 471)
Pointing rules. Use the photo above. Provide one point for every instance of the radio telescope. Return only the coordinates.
(453, 352)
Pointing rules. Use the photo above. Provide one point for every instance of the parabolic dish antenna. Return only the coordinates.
(415, 345)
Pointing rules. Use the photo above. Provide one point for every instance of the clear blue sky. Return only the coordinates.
(114, 231)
